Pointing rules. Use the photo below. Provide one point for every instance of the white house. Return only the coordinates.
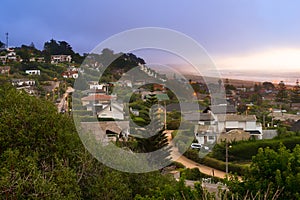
(96, 85)
(96, 102)
(22, 82)
(60, 58)
(246, 123)
(205, 134)
(4, 70)
(12, 56)
(37, 59)
(3, 59)
(211, 126)
(70, 74)
(112, 111)
(33, 72)
(206, 131)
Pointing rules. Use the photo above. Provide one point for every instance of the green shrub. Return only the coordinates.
(193, 154)
(173, 124)
(192, 174)
(174, 133)
(220, 165)
(244, 150)
(178, 165)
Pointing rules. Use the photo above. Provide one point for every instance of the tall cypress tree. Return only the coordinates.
(296, 93)
(153, 138)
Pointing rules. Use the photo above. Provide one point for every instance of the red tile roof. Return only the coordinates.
(97, 97)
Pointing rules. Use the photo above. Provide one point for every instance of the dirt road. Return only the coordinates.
(191, 164)
(204, 169)
(63, 104)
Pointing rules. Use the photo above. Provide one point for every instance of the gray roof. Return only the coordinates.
(186, 107)
(198, 117)
(221, 109)
(296, 126)
(235, 117)
(86, 92)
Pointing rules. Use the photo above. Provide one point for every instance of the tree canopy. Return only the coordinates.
(273, 174)
(41, 156)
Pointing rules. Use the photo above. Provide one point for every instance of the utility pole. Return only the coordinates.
(226, 155)
(6, 40)
(165, 115)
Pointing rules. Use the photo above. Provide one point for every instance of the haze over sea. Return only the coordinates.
(288, 77)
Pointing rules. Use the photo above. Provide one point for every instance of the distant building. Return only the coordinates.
(221, 109)
(33, 72)
(60, 59)
(114, 110)
(96, 85)
(96, 99)
(23, 82)
(4, 70)
(37, 59)
(93, 92)
(210, 125)
(11, 55)
(70, 74)
(3, 59)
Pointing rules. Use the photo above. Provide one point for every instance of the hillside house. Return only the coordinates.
(96, 102)
(23, 82)
(4, 70)
(33, 72)
(60, 59)
(37, 59)
(246, 123)
(114, 110)
(70, 74)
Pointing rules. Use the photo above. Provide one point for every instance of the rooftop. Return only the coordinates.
(221, 109)
(235, 117)
(97, 97)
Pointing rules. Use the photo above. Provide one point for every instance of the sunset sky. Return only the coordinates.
(256, 34)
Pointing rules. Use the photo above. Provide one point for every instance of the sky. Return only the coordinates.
(237, 34)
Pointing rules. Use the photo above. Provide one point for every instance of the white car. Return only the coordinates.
(196, 146)
(206, 147)
(199, 146)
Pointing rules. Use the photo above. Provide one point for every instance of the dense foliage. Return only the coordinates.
(276, 173)
(41, 156)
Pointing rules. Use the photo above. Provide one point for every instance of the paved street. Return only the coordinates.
(63, 104)
(191, 164)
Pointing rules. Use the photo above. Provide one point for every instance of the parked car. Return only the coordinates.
(199, 146)
(206, 147)
(196, 146)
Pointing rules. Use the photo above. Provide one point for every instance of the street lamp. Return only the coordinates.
(271, 110)
(226, 154)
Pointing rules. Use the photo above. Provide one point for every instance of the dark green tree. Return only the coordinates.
(272, 174)
(296, 93)
(268, 85)
(2, 45)
(53, 47)
(153, 138)
(282, 92)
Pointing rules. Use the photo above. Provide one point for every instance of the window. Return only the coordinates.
(211, 137)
